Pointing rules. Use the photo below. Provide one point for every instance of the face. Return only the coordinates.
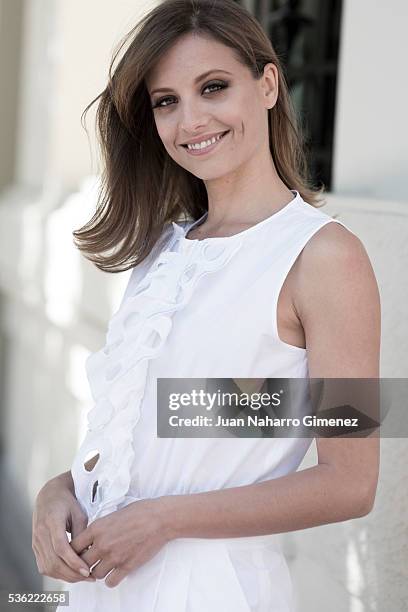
(200, 92)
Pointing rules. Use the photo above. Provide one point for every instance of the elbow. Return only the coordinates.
(354, 499)
(357, 493)
(364, 501)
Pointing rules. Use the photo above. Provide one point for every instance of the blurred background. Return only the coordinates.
(345, 64)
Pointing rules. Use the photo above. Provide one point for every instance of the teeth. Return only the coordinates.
(205, 143)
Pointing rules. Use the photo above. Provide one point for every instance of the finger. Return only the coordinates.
(101, 569)
(115, 577)
(59, 570)
(63, 550)
(82, 541)
(78, 524)
(48, 561)
(91, 556)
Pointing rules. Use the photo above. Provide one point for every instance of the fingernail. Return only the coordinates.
(84, 572)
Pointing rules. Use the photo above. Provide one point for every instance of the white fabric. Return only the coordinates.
(194, 309)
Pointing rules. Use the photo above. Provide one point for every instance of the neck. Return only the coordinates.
(245, 197)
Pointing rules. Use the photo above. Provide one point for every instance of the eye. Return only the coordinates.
(163, 102)
(219, 84)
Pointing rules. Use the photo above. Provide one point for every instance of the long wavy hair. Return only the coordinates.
(142, 188)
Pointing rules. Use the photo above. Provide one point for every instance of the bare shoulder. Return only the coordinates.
(336, 258)
(333, 242)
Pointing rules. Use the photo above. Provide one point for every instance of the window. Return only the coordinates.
(305, 34)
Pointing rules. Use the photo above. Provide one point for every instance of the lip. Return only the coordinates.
(202, 138)
(208, 149)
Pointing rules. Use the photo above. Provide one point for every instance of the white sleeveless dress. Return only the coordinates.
(194, 309)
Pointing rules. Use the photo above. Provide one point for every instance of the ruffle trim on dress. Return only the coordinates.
(117, 373)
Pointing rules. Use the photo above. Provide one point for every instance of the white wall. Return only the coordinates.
(67, 46)
(371, 145)
(85, 35)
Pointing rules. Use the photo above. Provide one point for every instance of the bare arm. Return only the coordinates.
(65, 479)
(338, 304)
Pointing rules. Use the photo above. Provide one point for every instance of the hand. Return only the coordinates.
(57, 511)
(123, 540)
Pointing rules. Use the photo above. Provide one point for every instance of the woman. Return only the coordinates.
(256, 283)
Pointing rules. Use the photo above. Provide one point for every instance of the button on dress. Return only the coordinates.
(193, 309)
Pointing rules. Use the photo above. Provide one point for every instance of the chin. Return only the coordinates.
(208, 173)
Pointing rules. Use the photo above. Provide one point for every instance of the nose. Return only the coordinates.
(192, 119)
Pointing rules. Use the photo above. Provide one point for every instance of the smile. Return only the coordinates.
(200, 148)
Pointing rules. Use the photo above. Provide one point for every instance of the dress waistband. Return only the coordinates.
(271, 540)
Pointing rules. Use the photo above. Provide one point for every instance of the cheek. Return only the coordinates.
(164, 134)
(253, 122)
(165, 130)
(241, 115)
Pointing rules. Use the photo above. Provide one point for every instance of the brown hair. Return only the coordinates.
(142, 188)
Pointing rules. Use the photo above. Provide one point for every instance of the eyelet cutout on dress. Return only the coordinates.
(189, 273)
(94, 491)
(113, 371)
(91, 455)
(111, 347)
(131, 319)
(178, 297)
(152, 338)
(101, 413)
(213, 251)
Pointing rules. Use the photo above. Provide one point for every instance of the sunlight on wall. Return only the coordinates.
(355, 578)
(356, 605)
(62, 276)
(30, 247)
(77, 384)
(72, 284)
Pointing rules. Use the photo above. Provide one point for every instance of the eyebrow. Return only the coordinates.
(196, 80)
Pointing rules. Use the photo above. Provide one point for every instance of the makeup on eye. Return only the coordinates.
(219, 84)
